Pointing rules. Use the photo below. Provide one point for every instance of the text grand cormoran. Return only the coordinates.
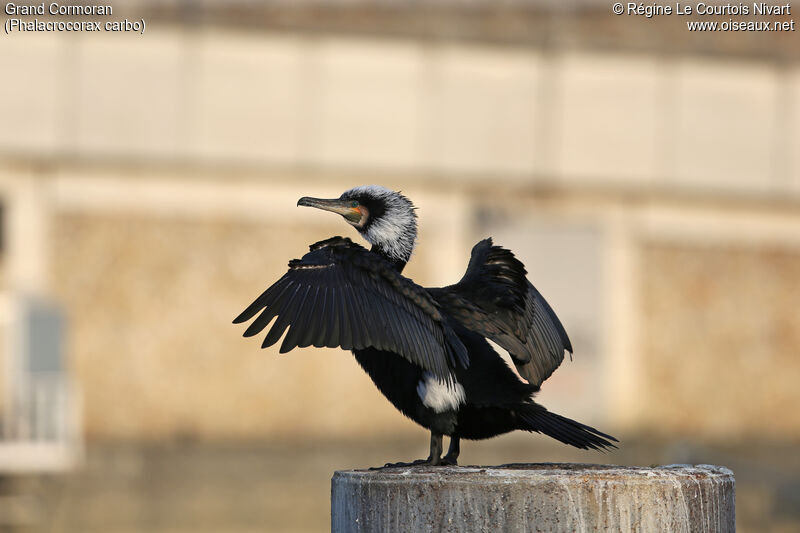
(55, 8)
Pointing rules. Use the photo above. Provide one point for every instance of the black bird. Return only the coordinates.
(424, 348)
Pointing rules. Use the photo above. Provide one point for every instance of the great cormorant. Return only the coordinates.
(424, 348)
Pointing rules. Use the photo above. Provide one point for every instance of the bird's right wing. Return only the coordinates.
(340, 294)
(495, 299)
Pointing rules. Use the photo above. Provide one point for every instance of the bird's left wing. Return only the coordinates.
(341, 295)
(495, 299)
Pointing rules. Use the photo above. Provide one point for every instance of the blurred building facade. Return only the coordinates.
(648, 178)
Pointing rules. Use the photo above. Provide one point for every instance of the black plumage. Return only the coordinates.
(339, 286)
(424, 348)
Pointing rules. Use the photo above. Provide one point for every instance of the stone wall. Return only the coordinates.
(524, 113)
(720, 340)
(150, 302)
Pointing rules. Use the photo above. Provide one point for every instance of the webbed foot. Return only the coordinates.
(434, 459)
(418, 462)
(449, 460)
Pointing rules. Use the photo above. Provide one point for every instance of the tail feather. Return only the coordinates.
(540, 420)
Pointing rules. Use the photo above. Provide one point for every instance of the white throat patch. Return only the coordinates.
(440, 396)
(394, 232)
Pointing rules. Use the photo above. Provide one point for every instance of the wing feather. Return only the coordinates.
(268, 313)
(360, 328)
(341, 295)
(496, 300)
(297, 329)
(311, 331)
(322, 320)
(354, 319)
(331, 312)
(346, 322)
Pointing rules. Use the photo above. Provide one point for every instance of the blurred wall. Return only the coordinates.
(150, 184)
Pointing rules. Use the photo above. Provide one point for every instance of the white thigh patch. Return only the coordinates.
(439, 396)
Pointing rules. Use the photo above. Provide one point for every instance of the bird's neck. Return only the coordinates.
(398, 264)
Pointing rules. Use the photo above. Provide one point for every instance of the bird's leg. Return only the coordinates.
(452, 452)
(436, 449)
(435, 458)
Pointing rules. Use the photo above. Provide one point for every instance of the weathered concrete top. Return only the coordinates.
(535, 497)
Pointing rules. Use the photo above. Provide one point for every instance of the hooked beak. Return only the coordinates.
(342, 207)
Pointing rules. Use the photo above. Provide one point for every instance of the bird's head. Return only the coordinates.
(385, 218)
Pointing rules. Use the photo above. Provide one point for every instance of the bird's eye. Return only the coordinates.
(354, 204)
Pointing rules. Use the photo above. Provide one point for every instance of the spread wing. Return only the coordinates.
(495, 299)
(340, 294)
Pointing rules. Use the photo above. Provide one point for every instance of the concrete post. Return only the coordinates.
(534, 497)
